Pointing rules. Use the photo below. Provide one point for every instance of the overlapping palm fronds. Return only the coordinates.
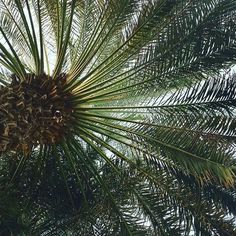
(117, 117)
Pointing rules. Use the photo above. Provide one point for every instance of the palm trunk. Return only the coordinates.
(35, 111)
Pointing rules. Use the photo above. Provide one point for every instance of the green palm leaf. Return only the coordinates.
(117, 117)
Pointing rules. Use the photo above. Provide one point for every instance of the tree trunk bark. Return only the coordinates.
(35, 111)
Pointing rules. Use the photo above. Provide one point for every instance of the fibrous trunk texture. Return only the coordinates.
(35, 111)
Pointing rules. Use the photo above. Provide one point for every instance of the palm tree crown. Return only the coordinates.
(117, 117)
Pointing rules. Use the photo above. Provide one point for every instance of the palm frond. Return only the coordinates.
(113, 113)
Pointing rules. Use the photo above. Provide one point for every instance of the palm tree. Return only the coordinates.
(117, 117)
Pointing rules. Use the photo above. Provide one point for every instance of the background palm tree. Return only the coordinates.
(117, 117)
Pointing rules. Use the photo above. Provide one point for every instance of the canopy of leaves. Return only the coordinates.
(152, 147)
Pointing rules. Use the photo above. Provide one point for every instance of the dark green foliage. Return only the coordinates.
(145, 140)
